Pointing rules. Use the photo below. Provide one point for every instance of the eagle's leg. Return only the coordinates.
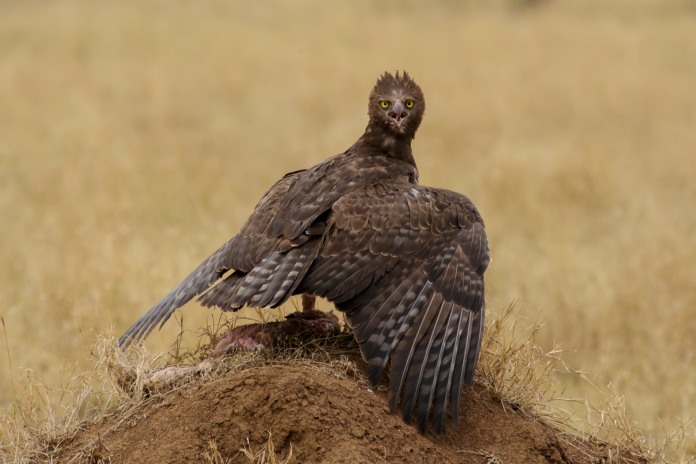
(308, 302)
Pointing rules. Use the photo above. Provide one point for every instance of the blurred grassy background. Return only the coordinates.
(136, 137)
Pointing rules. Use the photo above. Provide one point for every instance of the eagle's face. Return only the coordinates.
(396, 110)
(397, 104)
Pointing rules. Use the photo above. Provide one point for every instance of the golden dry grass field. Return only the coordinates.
(135, 137)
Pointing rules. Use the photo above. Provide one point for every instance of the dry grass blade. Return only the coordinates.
(9, 355)
(213, 456)
(265, 455)
(127, 370)
(42, 416)
(514, 367)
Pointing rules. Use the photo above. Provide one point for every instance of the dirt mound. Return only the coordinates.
(322, 417)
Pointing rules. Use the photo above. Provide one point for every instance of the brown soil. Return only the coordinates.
(324, 418)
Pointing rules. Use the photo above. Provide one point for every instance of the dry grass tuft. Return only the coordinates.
(42, 417)
(43, 414)
(213, 455)
(515, 368)
(512, 366)
(265, 455)
(127, 370)
(137, 374)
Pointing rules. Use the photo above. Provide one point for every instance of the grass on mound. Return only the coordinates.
(266, 455)
(512, 367)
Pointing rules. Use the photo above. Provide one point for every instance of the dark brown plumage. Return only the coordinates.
(405, 263)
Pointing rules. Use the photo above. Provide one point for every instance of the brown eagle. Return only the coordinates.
(404, 262)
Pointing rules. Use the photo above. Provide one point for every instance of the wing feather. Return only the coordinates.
(221, 294)
(380, 347)
(444, 381)
(424, 315)
(431, 371)
(421, 344)
(200, 279)
(403, 355)
(475, 338)
(459, 370)
(270, 283)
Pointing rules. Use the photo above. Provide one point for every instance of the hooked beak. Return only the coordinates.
(398, 114)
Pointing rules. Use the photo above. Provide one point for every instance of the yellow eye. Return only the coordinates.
(384, 104)
(408, 104)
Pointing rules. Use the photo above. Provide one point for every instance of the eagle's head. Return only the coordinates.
(396, 104)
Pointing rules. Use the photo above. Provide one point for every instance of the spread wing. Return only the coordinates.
(275, 248)
(240, 252)
(406, 264)
(301, 223)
